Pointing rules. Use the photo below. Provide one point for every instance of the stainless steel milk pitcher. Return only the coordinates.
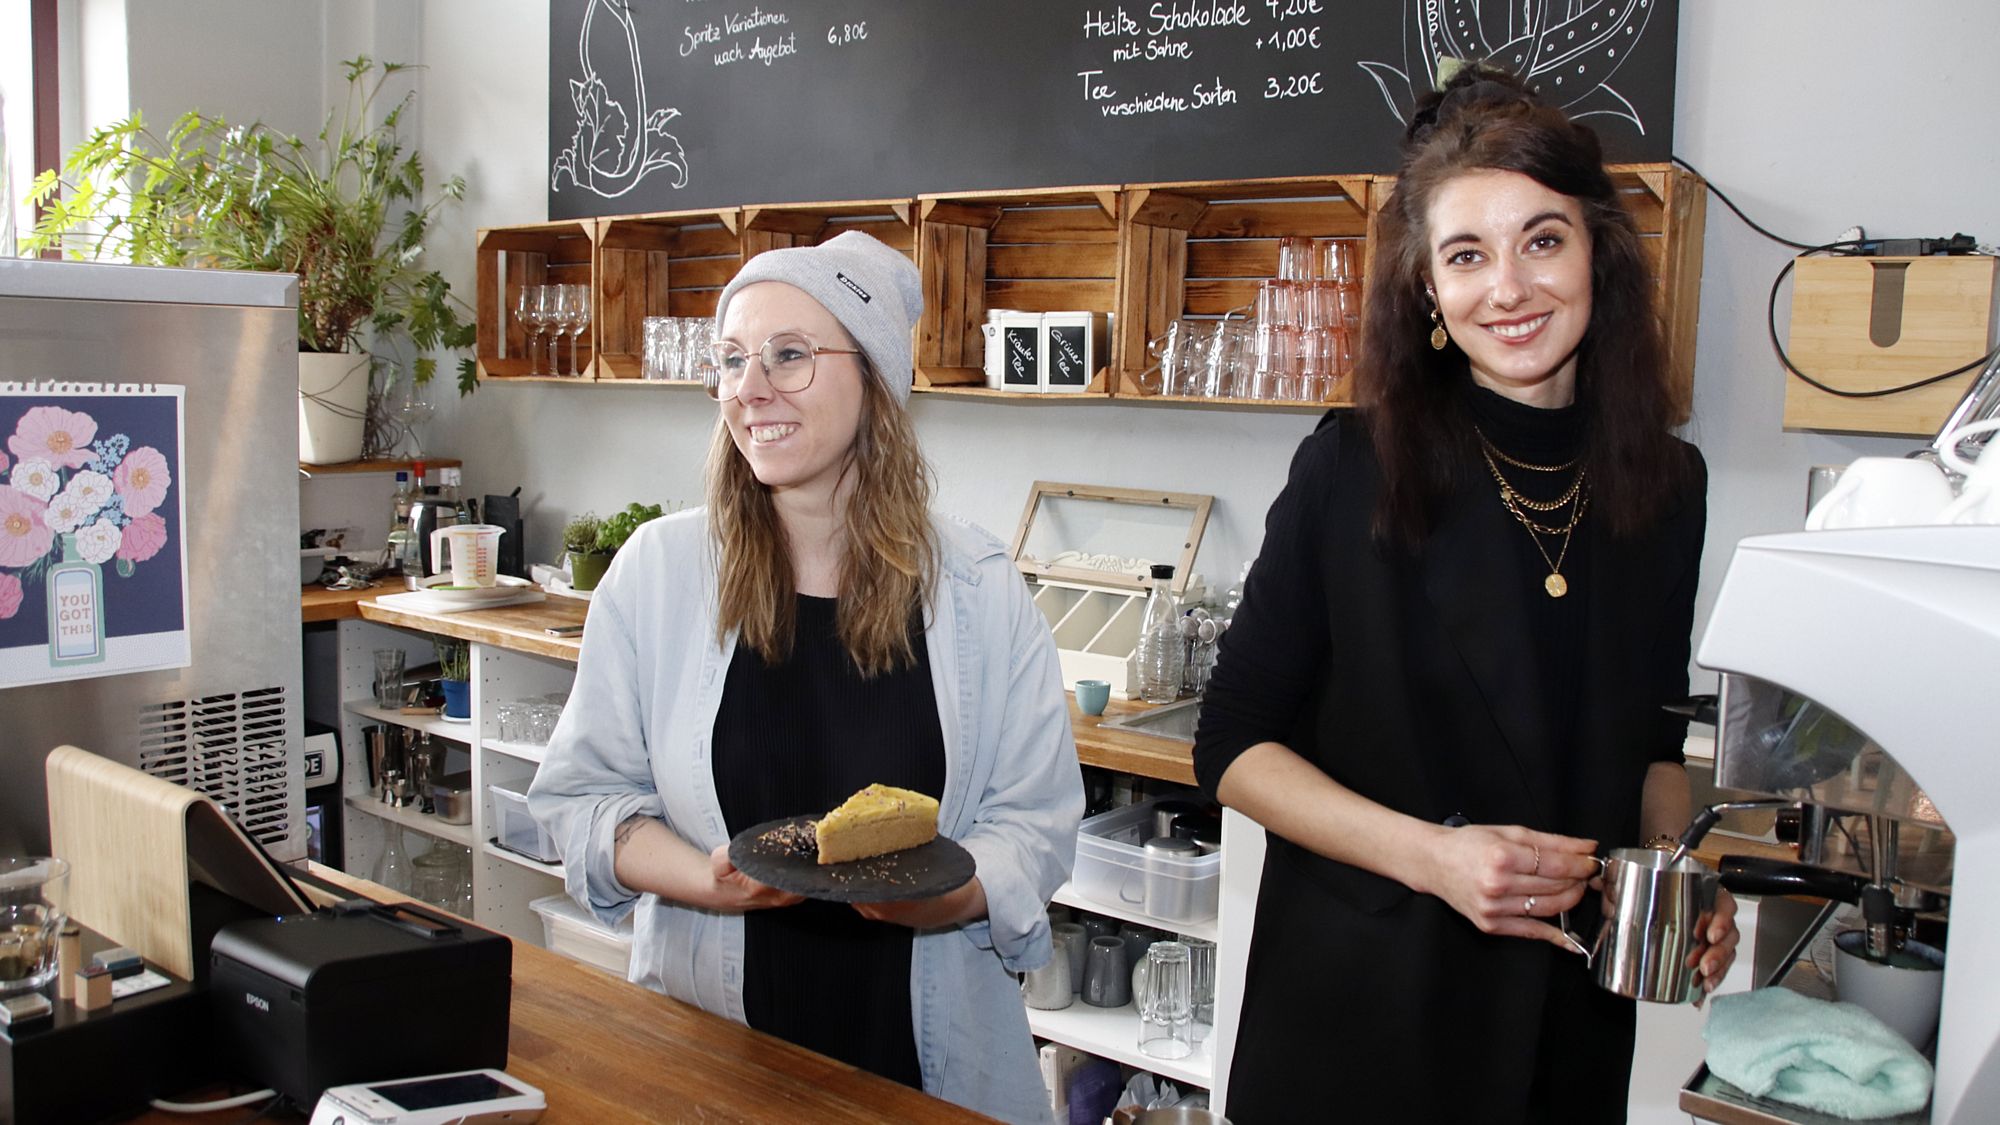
(1656, 911)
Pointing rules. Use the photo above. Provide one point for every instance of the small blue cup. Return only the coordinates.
(1093, 695)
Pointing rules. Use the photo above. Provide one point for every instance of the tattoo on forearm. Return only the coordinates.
(626, 828)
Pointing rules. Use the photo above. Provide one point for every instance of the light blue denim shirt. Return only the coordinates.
(635, 739)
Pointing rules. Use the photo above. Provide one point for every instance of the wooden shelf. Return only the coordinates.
(1015, 396)
(518, 628)
(379, 465)
(1236, 403)
(694, 384)
(1113, 1033)
(410, 818)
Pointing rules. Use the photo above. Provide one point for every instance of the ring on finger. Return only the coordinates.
(1528, 907)
(1538, 859)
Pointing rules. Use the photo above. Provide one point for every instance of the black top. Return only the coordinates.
(1442, 681)
(1556, 625)
(801, 737)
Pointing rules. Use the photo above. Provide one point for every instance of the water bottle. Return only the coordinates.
(1162, 653)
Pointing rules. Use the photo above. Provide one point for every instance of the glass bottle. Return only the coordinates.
(1162, 653)
(399, 526)
(392, 867)
(76, 608)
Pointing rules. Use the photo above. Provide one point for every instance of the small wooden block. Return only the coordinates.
(69, 958)
(93, 988)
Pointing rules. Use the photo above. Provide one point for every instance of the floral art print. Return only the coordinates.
(92, 529)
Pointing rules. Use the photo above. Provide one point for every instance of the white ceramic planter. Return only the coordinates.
(333, 406)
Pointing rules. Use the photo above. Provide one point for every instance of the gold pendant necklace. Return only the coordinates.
(1555, 585)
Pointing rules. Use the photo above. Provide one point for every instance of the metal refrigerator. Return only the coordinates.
(228, 724)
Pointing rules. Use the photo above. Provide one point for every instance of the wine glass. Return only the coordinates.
(548, 322)
(576, 317)
(525, 302)
(412, 408)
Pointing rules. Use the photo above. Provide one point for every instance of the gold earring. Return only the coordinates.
(1439, 337)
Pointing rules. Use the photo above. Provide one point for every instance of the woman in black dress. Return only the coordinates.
(1442, 689)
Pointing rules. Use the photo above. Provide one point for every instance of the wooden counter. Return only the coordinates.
(1125, 751)
(604, 1051)
(520, 628)
(317, 603)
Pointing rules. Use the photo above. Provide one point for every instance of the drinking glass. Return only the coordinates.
(1337, 261)
(1201, 983)
(1166, 1027)
(389, 678)
(1227, 359)
(575, 304)
(546, 317)
(1295, 259)
(527, 308)
(661, 346)
(697, 348)
(34, 902)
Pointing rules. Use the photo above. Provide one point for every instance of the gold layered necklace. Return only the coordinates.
(1530, 512)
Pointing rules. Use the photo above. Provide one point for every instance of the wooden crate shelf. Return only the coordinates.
(676, 263)
(507, 258)
(1200, 249)
(1047, 250)
(774, 226)
(671, 263)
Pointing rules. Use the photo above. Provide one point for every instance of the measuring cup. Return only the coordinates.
(474, 549)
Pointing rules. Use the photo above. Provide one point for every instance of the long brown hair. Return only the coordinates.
(1485, 120)
(888, 569)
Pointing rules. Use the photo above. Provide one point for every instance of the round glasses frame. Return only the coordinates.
(781, 374)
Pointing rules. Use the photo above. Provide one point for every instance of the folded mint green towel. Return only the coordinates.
(1835, 1058)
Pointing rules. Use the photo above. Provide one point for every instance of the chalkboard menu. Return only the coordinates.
(678, 104)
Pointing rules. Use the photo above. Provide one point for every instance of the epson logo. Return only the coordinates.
(855, 289)
(257, 1002)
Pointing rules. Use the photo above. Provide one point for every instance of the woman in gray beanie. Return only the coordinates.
(813, 630)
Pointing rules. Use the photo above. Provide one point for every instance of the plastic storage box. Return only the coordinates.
(1113, 867)
(568, 930)
(516, 831)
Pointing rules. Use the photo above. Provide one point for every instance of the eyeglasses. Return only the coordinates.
(789, 361)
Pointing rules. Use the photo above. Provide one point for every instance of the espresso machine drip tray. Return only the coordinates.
(1711, 1099)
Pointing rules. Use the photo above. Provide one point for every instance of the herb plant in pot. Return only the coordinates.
(586, 564)
(348, 213)
(455, 676)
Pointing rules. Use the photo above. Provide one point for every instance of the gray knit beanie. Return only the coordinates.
(873, 291)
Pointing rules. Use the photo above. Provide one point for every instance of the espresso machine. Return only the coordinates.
(1859, 680)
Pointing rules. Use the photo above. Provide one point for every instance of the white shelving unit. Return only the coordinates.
(503, 883)
(1113, 1033)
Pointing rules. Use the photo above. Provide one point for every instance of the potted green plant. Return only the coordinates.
(455, 676)
(586, 563)
(348, 213)
(619, 526)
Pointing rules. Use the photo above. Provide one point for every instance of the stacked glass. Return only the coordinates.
(677, 347)
(553, 310)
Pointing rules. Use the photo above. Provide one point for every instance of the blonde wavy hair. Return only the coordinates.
(888, 570)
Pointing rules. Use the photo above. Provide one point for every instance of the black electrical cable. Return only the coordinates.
(1771, 308)
(1731, 204)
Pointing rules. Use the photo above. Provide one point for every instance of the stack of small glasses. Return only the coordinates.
(678, 347)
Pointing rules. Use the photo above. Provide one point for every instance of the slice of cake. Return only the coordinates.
(875, 821)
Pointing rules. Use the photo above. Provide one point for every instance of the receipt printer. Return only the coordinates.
(359, 992)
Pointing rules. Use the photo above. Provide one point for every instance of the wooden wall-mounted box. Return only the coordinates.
(670, 263)
(1085, 549)
(1038, 251)
(507, 258)
(676, 263)
(1201, 249)
(1863, 324)
(1669, 205)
